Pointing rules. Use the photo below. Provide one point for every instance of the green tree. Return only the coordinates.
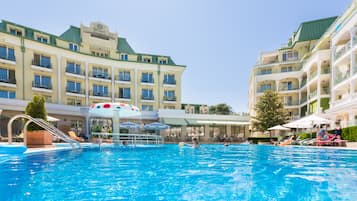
(269, 111)
(36, 109)
(222, 108)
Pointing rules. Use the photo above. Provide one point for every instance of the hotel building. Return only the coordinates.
(84, 65)
(315, 72)
(91, 64)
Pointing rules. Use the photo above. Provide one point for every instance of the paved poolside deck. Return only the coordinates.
(350, 146)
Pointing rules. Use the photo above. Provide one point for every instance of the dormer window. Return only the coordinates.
(147, 60)
(124, 57)
(290, 56)
(15, 32)
(163, 61)
(42, 39)
(73, 47)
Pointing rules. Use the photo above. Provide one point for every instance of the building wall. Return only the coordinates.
(60, 55)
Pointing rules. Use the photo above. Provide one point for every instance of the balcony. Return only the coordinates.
(122, 78)
(291, 103)
(170, 98)
(74, 72)
(313, 94)
(47, 65)
(325, 90)
(100, 75)
(147, 97)
(147, 81)
(125, 97)
(339, 78)
(41, 85)
(303, 100)
(312, 75)
(170, 82)
(263, 90)
(326, 70)
(343, 50)
(8, 81)
(8, 58)
(303, 83)
(288, 88)
(75, 91)
(99, 93)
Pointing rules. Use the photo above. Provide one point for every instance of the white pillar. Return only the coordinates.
(332, 83)
(277, 85)
(136, 86)
(319, 86)
(59, 81)
(299, 100)
(113, 81)
(87, 82)
(352, 65)
(351, 117)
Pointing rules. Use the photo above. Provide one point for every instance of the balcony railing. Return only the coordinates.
(42, 86)
(42, 64)
(100, 75)
(325, 90)
(343, 50)
(286, 88)
(68, 70)
(147, 81)
(123, 96)
(8, 57)
(147, 97)
(263, 90)
(339, 78)
(325, 70)
(303, 100)
(99, 93)
(172, 82)
(291, 103)
(169, 98)
(76, 91)
(313, 75)
(9, 80)
(312, 94)
(303, 83)
(121, 78)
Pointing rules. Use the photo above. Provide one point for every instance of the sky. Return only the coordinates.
(218, 40)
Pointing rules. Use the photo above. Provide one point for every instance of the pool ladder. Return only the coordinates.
(44, 124)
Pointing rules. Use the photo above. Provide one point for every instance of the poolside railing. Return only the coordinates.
(130, 138)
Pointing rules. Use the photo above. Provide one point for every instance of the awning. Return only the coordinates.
(175, 121)
(193, 122)
(210, 122)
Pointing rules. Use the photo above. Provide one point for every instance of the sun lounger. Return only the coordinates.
(74, 136)
(341, 143)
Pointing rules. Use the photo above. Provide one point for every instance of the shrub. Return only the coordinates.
(36, 109)
(350, 133)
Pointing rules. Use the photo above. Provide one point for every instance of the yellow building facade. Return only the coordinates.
(86, 65)
(82, 66)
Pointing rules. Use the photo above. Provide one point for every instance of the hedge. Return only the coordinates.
(350, 134)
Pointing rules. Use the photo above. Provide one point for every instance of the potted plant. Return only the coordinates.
(36, 135)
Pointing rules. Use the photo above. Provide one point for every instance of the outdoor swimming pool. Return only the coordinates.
(212, 172)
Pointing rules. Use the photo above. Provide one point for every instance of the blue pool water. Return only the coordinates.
(211, 172)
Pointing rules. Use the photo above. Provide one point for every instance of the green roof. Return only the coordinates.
(73, 34)
(312, 30)
(124, 47)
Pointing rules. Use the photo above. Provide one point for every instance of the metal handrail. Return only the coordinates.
(131, 138)
(40, 122)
